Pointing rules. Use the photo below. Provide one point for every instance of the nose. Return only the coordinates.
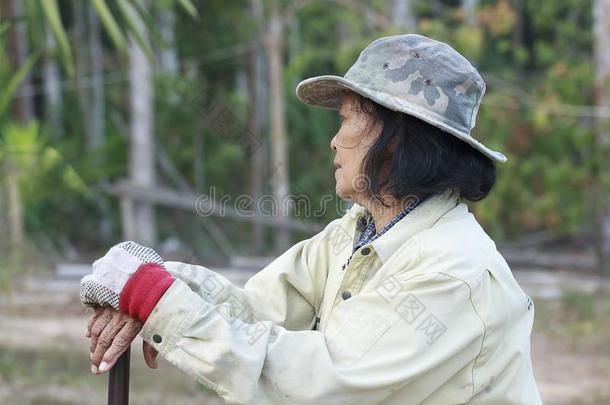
(333, 144)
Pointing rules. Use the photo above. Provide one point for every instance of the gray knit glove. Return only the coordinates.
(110, 273)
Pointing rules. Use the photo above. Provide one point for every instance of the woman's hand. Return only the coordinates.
(111, 333)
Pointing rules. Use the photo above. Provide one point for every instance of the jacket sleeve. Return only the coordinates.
(287, 292)
(411, 332)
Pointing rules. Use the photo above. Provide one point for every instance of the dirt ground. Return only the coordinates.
(44, 355)
(568, 376)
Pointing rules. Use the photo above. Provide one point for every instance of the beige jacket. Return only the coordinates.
(428, 313)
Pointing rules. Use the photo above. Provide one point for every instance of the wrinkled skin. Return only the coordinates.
(350, 144)
(111, 333)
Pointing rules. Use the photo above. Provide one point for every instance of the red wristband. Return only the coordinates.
(144, 290)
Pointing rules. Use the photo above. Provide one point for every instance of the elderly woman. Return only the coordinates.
(403, 300)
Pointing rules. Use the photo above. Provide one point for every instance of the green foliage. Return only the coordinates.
(536, 60)
(11, 84)
(51, 12)
(551, 152)
(46, 181)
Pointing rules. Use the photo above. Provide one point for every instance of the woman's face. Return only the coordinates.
(351, 143)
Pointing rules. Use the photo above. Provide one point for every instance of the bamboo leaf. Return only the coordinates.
(110, 24)
(51, 158)
(36, 21)
(188, 6)
(51, 12)
(9, 89)
(150, 23)
(130, 15)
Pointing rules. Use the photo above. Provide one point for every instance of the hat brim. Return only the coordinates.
(326, 92)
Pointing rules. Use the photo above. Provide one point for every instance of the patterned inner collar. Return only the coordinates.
(367, 222)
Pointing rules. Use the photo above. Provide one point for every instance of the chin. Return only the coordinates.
(342, 193)
(339, 191)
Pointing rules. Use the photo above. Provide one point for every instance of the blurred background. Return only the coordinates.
(175, 123)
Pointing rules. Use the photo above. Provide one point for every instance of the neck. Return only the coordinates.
(383, 214)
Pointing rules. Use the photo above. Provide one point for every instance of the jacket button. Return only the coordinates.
(157, 339)
(346, 294)
(366, 251)
(361, 224)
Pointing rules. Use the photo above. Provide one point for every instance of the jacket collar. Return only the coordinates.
(422, 217)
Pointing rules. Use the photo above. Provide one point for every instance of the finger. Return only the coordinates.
(120, 343)
(98, 327)
(106, 339)
(97, 312)
(150, 354)
(90, 324)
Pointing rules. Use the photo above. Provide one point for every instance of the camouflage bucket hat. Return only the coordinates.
(412, 74)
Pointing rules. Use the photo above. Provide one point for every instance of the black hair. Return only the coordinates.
(423, 159)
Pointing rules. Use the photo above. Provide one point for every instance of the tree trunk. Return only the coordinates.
(15, 214)
(198, 168)
(601, 32)
(96, 108)
(168, 56)
(279, 147)
(81, 66)
(23, 107)
(142, 143)
(470, 7)
(191, 72)
(258, 82)
(96, 138)
(518, 32)
(294, 38)
(402, 17)
(52, 89)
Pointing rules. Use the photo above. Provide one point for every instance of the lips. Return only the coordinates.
(337, 165)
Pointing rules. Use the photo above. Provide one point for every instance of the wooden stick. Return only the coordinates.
(118, 381)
